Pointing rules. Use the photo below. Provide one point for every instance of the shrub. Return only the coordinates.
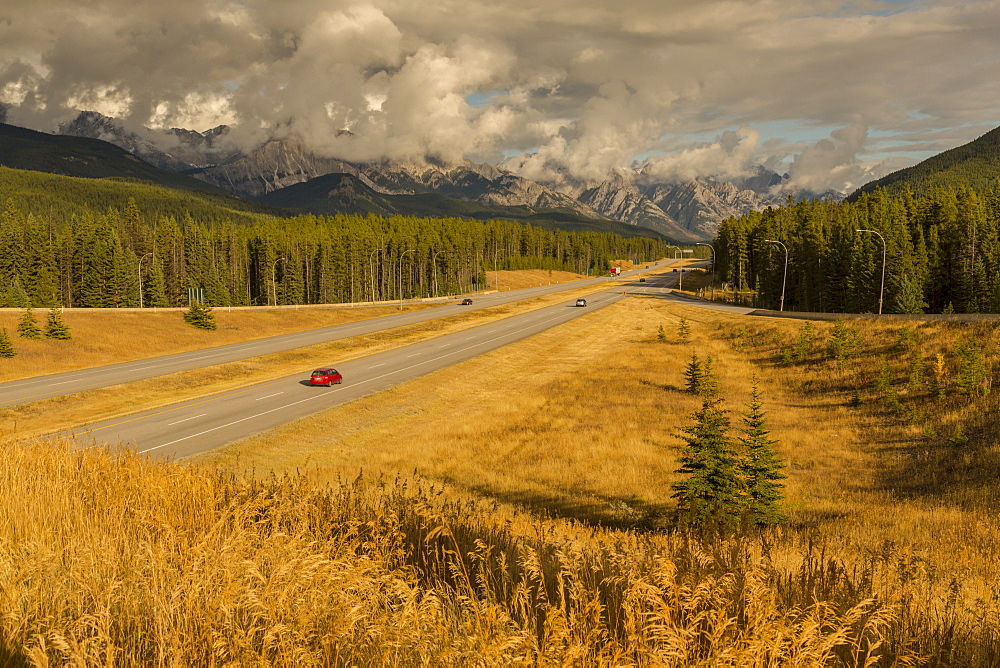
(199, 315)
(6, 347)
(684, 331)
(28, 327)
(55, 328)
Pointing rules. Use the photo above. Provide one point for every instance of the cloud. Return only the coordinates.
(580, 86)
(733, 154)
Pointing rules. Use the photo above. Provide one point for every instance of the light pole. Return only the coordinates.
(274, 279)
(401, 255)
(371, 267)
(882, 286)
(140, 277)
(680, 272)
(435, 267)
(713, 266)
(783, 276)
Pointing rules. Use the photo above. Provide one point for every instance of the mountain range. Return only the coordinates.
(684, 212)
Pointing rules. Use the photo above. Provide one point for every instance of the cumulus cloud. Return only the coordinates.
(579, 87)
(732, 155)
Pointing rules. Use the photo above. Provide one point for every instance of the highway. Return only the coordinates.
(188, 428)
(44, 387)
(196, 426)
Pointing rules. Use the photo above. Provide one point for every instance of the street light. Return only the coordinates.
(140, 277)
(435, 268)
(784, 276)
(881, 287)
(401, 255)
(274, 279)
(680, 279)
(371, 268)
(713, 266)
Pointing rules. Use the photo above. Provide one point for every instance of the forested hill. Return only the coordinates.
(975, 165)
(61, 198)
(21, 148)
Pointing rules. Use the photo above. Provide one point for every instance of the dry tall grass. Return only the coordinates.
(544, 536)
(580, 422)
(115, 560)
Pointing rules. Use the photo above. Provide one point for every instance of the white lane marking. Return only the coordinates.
(375, 366)
(170, 424)
(269, 396)
(65, 382)
(414, 355)
(339, 388)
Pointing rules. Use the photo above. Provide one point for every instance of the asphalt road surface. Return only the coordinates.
(196, 426)
(55, 385)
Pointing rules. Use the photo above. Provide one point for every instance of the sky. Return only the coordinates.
(832, 93)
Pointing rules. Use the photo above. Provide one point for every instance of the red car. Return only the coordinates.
(326, 376)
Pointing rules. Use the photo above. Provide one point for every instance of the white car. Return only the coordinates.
(581, 302)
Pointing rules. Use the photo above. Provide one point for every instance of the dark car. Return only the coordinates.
(581, 302)
(466, 302)
(325, 376)
(642, 280)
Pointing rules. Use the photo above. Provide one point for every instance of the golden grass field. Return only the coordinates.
(516, 509)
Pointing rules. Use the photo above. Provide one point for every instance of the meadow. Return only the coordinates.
(517, 509)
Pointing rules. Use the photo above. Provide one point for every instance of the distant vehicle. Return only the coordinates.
(326, 376)
(466, 302)
(615, 271)
(581, 302)
(642, 280)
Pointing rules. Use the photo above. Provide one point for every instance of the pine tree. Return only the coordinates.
(6, 347)
(807, 334)
(845, 343)
(709, 385)
(684, 331)
(661, 335)
(972, 376)
(155, 287)
(55, 328)
(693, 375)
(28, 327)
(759, 467)
(708, 496)
(199, 315)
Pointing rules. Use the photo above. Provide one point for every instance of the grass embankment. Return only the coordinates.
(892, 532)
(107, 337)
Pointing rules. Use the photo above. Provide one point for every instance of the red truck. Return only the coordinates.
(615, 271)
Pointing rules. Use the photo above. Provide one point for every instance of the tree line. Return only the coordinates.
(942, 253)
(124, 257)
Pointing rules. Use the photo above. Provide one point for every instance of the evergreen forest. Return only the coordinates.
(95, 243)
(941, 253)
